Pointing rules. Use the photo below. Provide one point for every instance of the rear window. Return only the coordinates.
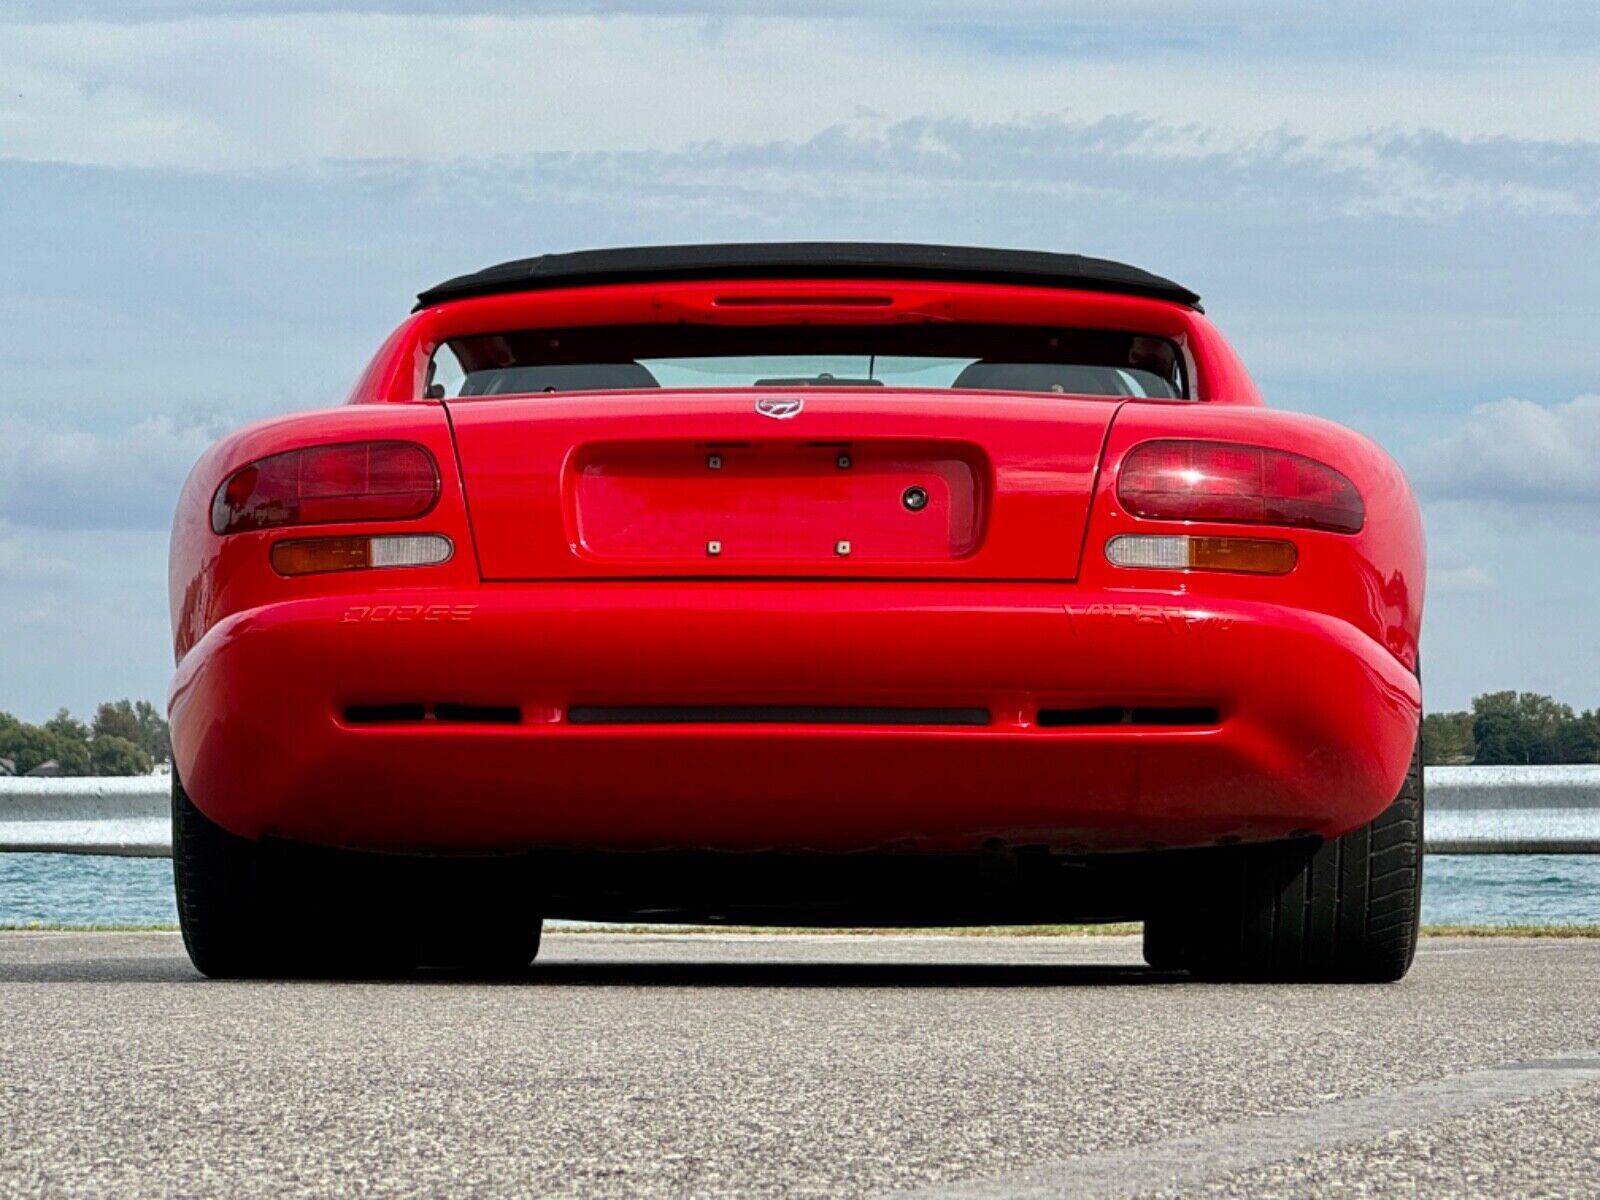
(925, 355)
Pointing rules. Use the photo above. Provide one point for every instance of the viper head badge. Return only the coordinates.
(780, 408)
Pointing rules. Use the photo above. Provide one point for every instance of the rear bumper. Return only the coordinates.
(1313, 728)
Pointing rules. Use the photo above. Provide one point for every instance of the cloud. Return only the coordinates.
(94, 628)
(1516, 453)
(71, 479)
(41, 615)
(362, 84)
(1469, 580)
(21, 566)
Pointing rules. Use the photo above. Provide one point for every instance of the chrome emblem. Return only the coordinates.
(779, 408)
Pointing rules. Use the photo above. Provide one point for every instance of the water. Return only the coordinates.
(83, 889)
(1474, 889)
(1511, 889)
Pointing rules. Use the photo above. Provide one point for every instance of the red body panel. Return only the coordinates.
(266, 689)
(617, 485)
(581, 578)
(773, 506)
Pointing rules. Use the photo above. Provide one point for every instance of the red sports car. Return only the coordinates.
(798, 583)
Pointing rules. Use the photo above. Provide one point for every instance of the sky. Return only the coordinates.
(211, 213)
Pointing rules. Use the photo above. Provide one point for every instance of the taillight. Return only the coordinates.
(350, 481)
(1220, 481)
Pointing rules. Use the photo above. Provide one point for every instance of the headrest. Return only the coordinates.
(558, 377)
(1043, 377)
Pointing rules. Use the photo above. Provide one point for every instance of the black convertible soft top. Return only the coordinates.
(809, 260)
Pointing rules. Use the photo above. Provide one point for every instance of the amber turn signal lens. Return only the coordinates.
(315, 556)
(1179, 552)
(312, 556)
(1258, 556)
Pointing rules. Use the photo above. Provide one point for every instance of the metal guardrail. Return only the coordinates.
(1466, 789)
(1471, 810)
(1513, 810)
(130, 817)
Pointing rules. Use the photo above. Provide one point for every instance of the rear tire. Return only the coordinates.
(1342, 911)
(1164, 942)
(474, 916)
(217, 879)
(251, 909)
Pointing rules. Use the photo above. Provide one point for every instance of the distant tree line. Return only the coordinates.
(1512, 727)
(125, 738)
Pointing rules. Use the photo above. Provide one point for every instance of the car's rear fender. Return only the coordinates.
(1373, 579)
(210, 576)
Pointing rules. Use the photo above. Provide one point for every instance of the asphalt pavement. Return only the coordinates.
(728, 1065)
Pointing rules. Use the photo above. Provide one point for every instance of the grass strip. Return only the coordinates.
(1120, 929)
(1492, 931)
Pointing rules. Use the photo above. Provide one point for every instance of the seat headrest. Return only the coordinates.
(1043, 377)
(558, 377)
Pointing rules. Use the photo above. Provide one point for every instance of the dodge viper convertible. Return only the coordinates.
(798, 584)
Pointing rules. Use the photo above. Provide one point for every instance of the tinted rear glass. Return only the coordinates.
(925, 355)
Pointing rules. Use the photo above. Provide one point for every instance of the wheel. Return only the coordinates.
(474, 916)
(1164, 940)
(251, 909)
(217, 879)
(1344, 911)
(502, 950)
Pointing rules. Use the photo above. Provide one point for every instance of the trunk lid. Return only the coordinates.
(815, 483)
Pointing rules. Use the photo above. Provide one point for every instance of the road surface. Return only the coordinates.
(795, 1065)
